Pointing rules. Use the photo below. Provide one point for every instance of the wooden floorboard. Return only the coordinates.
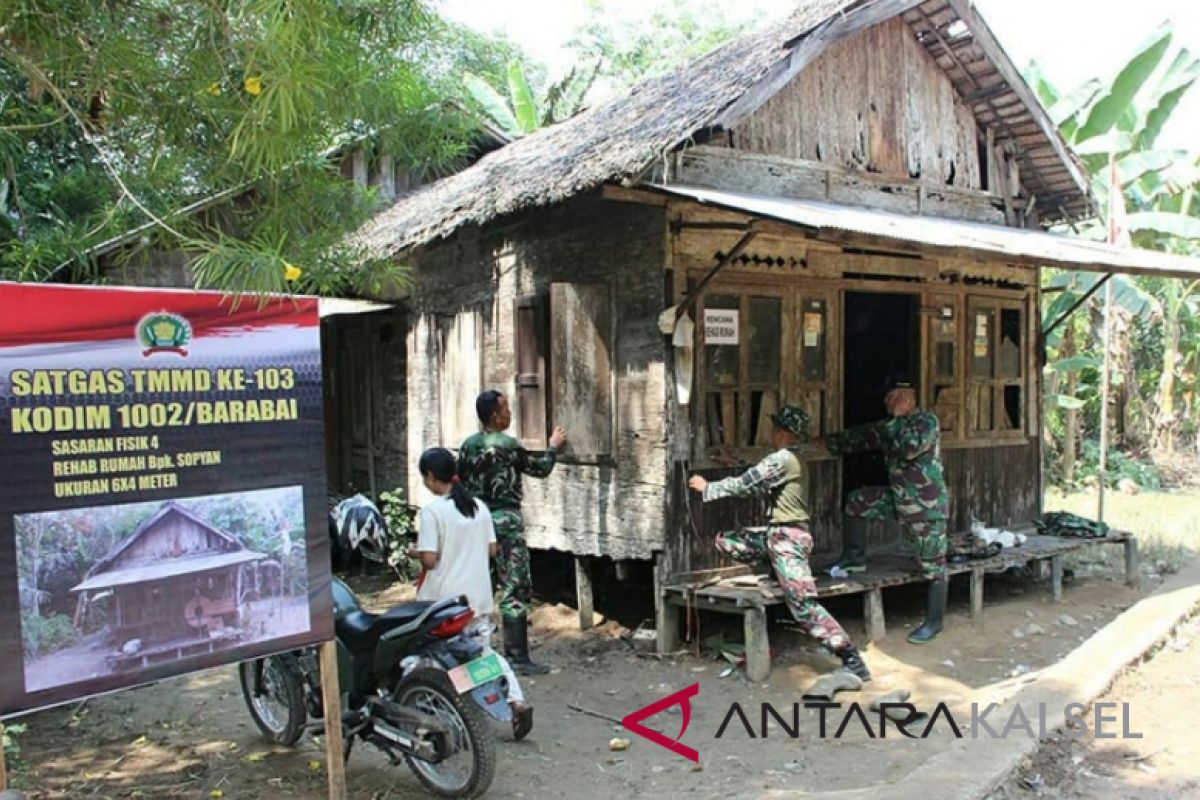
(745, 587)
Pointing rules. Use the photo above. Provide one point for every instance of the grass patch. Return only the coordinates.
(1167, 524)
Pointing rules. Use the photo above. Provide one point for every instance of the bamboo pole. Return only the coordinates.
(1105, 391)
(331, 694)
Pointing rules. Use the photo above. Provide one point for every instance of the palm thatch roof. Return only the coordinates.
(620, 140)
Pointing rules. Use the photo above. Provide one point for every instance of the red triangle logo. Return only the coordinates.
(682, 698)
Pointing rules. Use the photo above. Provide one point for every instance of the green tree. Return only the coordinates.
(114, 114)
(1119, 122)
(631, 49)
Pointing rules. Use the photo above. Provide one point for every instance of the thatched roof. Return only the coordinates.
(620, 140)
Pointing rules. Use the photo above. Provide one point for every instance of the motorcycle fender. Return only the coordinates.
(498, 710)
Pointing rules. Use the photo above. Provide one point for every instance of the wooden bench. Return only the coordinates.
(739, 590)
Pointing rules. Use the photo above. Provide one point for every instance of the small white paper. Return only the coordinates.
(720, 326)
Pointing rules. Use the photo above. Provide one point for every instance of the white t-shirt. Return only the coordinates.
(462, 547)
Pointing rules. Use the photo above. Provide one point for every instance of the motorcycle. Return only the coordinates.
(413, 685)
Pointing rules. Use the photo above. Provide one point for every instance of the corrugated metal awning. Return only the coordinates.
(167, 568)
(329, 306)
(846, 224)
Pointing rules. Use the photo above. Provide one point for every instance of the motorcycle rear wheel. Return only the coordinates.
(274, 695)
(469, 769)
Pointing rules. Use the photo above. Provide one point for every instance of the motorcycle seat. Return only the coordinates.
(360, 630)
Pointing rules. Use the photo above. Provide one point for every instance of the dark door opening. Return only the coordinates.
(882, 340)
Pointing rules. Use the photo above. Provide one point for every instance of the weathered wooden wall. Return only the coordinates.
(612, 504)
(174, 537)
(876, 102)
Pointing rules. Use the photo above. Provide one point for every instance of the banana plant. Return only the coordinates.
(519, 112)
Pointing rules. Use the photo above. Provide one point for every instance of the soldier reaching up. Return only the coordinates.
(916, 495)
(785, 540)
(491, 464)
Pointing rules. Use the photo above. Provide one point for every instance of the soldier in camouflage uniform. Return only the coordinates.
(491, 464)
(916, 495)
(785, 541)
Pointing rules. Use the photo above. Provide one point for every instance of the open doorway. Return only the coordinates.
(882, 340)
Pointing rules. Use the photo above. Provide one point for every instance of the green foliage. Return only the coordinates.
(630, 49)
(46, 634)
(10, 732)
(520, 112)
(397, 514)
(118, 116)
(1120, 466)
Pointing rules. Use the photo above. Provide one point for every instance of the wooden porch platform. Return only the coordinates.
(741, 590)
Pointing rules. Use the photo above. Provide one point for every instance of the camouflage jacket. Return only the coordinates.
(491, 464)
(912, 455)
(781, 476)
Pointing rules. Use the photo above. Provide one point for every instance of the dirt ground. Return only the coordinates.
(1163, 694)
(191, 738)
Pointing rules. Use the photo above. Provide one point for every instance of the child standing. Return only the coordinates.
(455, 541)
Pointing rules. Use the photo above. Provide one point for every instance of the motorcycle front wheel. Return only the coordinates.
(470, 760)
(275, 697)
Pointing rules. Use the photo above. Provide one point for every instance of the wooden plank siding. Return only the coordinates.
(875, 102)
(594, 503)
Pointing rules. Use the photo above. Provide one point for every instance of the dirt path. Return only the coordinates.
(1163, 695)
(192, 739)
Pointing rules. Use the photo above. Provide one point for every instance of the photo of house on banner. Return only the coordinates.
(114, 589)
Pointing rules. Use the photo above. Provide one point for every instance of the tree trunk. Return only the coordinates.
(1071, 432)
(1164, 429)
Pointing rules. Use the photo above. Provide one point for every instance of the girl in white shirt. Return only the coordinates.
(455, 541)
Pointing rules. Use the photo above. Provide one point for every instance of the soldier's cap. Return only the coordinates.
(898, 382)
(793, 419)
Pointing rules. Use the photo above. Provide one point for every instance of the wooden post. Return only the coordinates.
(331, 696)
(1056, 577)
(758, 647)
(1132, 562)
(583, 591)
(976, 592)
(873, 614)
(666, 615)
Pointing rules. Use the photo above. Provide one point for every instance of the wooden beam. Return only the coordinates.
(583, 591)
(758, 647)
(1056, 578)
(3, 762)
(873, 618)
(1132, 563)
(666, 615)
(621, 194)
(976, 593)
(331, 697)
(722, 262)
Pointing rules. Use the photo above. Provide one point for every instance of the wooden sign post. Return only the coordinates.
(331, 695)
(3, 761)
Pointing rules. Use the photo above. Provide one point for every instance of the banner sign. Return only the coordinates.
(162, 491)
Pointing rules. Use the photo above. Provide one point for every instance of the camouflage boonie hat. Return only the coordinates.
(792, 418)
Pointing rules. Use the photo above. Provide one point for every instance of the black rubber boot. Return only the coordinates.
(934, 614)
(853, 663)
(854, 545)
(516, 647)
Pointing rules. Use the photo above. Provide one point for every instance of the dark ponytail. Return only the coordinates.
(439, 462)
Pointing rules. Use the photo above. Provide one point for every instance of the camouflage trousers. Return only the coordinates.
(512, 564)
(787, 548)
(926, 537)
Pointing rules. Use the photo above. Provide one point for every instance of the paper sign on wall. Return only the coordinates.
(812, 329)
(720, 326)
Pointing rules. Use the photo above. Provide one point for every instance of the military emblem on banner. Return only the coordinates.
(164, 333)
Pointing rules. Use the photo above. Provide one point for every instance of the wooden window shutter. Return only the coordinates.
(532, 361)
(581, 366)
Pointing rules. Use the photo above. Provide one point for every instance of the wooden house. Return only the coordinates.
(858, 190)
(176, 586)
